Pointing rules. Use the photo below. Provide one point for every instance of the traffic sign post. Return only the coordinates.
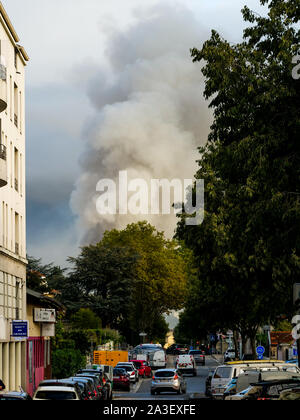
(260, 350)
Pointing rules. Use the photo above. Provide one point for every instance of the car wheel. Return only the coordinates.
(179, 391)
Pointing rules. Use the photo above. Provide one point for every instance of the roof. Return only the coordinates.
(45, 299)
(12, 32)
(281, 337)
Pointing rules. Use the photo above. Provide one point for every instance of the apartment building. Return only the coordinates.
(13, 60)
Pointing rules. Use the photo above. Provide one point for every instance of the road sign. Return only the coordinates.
(260, 350)
(19, 329)
(260, 356)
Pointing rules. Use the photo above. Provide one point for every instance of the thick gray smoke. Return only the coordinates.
(150, 115)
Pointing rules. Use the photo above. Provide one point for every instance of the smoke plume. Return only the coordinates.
(150, 114)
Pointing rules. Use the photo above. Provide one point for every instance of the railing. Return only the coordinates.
(17, 248)
(2, 152)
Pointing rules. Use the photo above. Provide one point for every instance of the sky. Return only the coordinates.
(92, 62)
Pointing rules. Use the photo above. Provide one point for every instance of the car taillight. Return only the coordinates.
(99, 386)
(104, 381)
(263, 399)
(153, 377)
(176, 377)
(95, 392)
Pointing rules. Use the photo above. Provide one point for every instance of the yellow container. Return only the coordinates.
(110, 358)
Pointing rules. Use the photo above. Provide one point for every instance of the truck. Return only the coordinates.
(110, 358)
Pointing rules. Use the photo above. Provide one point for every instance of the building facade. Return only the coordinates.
(13, 59)
(41, 315)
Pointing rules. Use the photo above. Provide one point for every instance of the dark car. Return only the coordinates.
(177, 349)
(15, 396)
(87, 384)
(105, 382)
(121, 379)
(271, 390)
(97, 384)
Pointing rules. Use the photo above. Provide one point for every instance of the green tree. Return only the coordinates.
(44, 277)
(247, 249)
(85, 319)
(161, 273)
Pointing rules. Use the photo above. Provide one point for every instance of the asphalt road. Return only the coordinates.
(195, 385)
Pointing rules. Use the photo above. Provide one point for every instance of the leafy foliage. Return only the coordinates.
(247, 249)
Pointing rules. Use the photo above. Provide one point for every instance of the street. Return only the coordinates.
(195, 385)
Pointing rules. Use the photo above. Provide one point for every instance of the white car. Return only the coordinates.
(131, 370)
(56, 393)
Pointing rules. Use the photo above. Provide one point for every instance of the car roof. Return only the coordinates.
(14, 394)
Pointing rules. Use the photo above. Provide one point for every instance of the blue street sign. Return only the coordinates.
(260, 357)
(20, 329)
(260, 350)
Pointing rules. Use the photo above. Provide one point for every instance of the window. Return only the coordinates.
(223, 373)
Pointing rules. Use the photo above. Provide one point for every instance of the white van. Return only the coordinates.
(157, 359)
(186, 364)
(225, 373)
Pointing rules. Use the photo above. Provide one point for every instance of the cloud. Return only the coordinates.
(150, 115)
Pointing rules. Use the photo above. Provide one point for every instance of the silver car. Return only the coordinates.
(168, 380)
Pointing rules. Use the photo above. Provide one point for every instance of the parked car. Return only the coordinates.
(89, 387)
(63, 382)
(97, 384)
(186, 364)
(143, 368)
(177, 349)
(131, 370)
(105, 382)
(56, 393)
(121, 379)
(198, 356)
(15, 396)
(168, 380)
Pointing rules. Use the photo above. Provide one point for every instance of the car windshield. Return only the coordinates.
(165, 374)
(222, 373)
(56, 395)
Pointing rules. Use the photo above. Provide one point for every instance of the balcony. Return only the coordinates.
(3, 97)
(3, 166)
